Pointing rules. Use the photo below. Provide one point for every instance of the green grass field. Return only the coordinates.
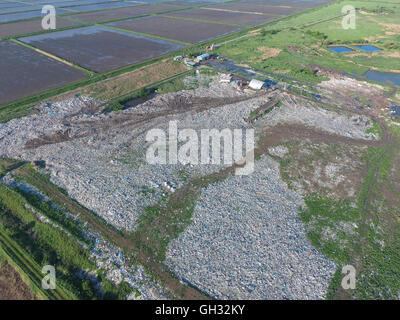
(291, 46)
(30, 243)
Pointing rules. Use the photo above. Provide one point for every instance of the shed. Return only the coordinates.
(256, 84)
(204, 56)
(191, 63)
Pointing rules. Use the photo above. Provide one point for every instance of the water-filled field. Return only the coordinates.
(229, 17)
(177, 29)
(368, 48)
(101, 49)
(29, 72)
(340, 49)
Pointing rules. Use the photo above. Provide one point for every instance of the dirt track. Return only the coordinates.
(180, 104)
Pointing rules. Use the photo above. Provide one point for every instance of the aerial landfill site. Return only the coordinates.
(251, 160)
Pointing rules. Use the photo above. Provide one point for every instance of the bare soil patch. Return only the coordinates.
(12, 286)
(268, 52)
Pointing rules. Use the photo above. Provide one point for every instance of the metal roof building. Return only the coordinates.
(395, 111)
(204, 56)
(256, 84)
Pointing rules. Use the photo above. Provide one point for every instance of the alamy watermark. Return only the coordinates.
(185, 146)
(49, 20)
(49, 280)
(349, 280)
(349, 20)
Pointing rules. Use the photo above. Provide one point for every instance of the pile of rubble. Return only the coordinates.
(246, 241)
(306, 113)
(101, 159)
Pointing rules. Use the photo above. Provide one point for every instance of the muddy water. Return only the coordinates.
(383, 77)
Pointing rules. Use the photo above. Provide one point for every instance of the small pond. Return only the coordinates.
(383, 77)
(368, 48)
(340, 49)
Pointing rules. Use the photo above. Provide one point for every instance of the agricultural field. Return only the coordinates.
(254, 8)
(135, 33)
(177, 29)
(123, 13)
(99, 6)
(30, 26)
(9, 17)
(25, 72)
(227, 17)
(85, 47)
(139, 32)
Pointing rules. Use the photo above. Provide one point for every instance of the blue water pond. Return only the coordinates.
(387, 77)
(340, 49)
(368, 48)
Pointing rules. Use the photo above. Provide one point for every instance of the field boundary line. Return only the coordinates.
(54, 57)
(248, 12)
(144, 34)
(201, 20)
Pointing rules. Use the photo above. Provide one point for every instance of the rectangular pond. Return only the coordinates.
(340, 49)
(368, 48)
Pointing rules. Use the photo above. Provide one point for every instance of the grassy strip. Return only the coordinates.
(56, 215)
(118, 103)
(46, 245)
(324, 213)
(30, 269)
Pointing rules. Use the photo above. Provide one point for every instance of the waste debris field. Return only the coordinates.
(105, 35)
(250, 244)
